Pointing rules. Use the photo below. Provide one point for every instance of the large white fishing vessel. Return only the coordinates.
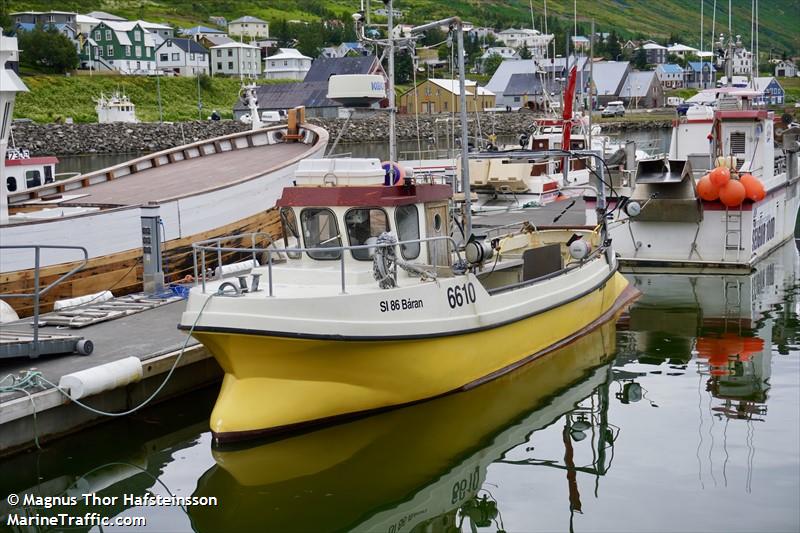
(668, 224)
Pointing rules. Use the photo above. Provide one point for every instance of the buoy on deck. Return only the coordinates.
(732, 194)
(707, 190)
(753, 187)
(720, 176)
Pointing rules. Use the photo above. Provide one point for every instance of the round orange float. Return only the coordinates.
(720, 176)
(732, 194)
(707, 190)
(753, 187)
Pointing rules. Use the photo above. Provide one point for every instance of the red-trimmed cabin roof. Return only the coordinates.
(752, 114)
(47, 160)
(372, 195)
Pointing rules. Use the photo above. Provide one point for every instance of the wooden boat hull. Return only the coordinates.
(275, 384)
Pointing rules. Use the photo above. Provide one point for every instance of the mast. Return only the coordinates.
(392, 110)
(456, 24)
(10, 85)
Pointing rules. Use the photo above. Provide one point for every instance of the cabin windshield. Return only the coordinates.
(320, 230)
(364, 225)
(289, 225)
(406, 218)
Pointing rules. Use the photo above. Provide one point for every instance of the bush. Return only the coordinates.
(47, 50)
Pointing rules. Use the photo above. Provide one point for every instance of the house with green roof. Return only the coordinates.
(126, 47)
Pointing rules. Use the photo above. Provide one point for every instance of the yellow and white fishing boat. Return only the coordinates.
(371, 303)
(345, 320)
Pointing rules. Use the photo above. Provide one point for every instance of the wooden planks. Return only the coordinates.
(122, 273)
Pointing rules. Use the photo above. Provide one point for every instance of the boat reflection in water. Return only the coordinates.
(421, 468)
(724, 326)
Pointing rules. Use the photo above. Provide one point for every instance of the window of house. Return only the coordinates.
(110, 50)
(138, 50)
(108, 35)
(164, 57)
(427, 91)
(33, 178)
(247, 53)
(11, 184)
(230, 65)
(137, 35)
(230, 52)
(219, 66)
(191, 57)
(219, 53)
(127, 50)
(272, 63)
(320, 230)
(445, 105)
(169, 43)
(285, 63)
(176, 57)
(364, 224)
(406, 219)
(97, 35)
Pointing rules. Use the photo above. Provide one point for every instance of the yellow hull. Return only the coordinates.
(277, 383)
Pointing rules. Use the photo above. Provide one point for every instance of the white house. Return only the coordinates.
(250, 27)
(288, 64)
(504, 52)
(670, 75)
(534, 40)
(785, 69)
(681, 50)
(742, 62)
(236, 59)
(184, 57)
(160, 31)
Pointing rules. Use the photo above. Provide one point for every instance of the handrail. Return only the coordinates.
(37, 292)
(213, 245)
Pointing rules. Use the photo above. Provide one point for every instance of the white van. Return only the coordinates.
(674, 101)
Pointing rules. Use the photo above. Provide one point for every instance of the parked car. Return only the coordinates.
(613, 109)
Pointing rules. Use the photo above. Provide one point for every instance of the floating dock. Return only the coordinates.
(150, 335)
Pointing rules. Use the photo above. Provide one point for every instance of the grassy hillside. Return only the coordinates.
(51, 97)
(779, 19)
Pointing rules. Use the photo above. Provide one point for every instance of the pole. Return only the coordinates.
(591, 82)
(199, 103)
(462, 82)
(392, 111)
(701, 38)
(158, 89)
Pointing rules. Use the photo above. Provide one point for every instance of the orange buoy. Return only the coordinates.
(753, 187)
(732, 194)
(720, 176)
(707, 190)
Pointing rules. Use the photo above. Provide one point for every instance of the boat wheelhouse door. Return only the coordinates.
(436, 226)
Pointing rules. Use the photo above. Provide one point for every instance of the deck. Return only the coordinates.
(189, 176)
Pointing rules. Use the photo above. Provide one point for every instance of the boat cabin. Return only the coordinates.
(24, 172)
(339, 203)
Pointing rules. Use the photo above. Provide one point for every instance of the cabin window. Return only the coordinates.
(5, 120)
(33, 178)
(289, 225)
(48, 174)
(406, 219)
(320, 230)
(363, 225)
(11, 184)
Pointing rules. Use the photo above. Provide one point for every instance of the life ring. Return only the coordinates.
(394, 173)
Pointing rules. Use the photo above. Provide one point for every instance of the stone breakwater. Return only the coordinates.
(70, 139)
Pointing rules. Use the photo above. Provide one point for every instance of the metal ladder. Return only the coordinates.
(733, 228)
(733, 304)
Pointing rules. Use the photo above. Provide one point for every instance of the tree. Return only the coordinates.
(613, 48)
(47, 50)
(640, 61)
(523, 52)
(403, 67)
(492, 63)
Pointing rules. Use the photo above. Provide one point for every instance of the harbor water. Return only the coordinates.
(680, 416)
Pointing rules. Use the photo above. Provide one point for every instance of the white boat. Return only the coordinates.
(115, 108)
(677, 229)
(94, 221)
